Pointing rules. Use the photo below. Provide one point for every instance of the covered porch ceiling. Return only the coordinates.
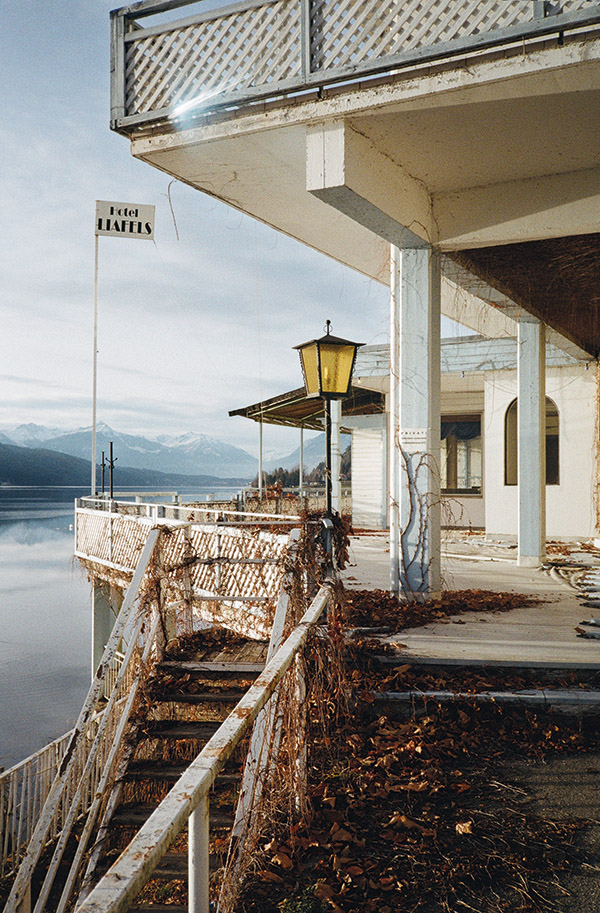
(296, 410)
(496, 163)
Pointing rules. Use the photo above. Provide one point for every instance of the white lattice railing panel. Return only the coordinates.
(244, 564)
(348, 32)
(277, 46)
(110, 538)
(254, 47)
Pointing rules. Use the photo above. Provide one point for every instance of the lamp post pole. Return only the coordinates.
(327, 409)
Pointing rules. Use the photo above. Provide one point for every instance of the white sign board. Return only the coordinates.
(124, 220)
(413, 440)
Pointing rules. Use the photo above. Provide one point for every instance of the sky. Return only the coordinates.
(188, 328)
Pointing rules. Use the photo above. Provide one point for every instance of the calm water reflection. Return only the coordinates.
(45, 620)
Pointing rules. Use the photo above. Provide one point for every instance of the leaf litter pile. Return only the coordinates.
(420, 813)
(378, 608)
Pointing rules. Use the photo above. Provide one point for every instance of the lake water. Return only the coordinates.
(45, 618)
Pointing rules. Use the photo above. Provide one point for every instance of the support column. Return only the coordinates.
(301, 468)
(415, 543)
(105, 608)
(260, 460)
(531, 369)
(336, 456)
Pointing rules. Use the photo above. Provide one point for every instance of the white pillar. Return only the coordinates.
(415, 405)
(393, 419)
(531, 369)
(105, 608)
(260, 460)
(336, 456)
(301, 467)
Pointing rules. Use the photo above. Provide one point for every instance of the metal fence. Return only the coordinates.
(263, 48)
(188, 802)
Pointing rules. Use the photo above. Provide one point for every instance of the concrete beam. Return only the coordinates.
(345, 170)
(550, 206)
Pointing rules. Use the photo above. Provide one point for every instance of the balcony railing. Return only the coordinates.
(260, 49)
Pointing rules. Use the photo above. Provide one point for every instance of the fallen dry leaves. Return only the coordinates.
(378, 608)
(411, 816)
(419, 814)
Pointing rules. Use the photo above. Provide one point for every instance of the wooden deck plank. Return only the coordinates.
(212, 666)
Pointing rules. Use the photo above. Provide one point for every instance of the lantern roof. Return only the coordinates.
(330, 340)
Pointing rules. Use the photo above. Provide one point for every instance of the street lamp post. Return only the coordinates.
(327, 365)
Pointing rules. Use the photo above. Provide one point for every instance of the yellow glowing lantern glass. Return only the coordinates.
(327, 365)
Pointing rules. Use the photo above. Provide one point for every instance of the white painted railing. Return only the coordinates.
(112, 674)
(188, 802)
(89, 758)
(259, 48)
(23, 790)
(233, 574)
(184, 513)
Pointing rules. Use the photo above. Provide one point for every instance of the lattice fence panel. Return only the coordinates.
(349, 32)
(574, 6)
(128, 540)
(111, 539)
(254, 47)
(238, 578)
(93, 535)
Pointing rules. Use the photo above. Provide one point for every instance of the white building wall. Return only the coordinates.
(570, 511)
(369, 473)
(463, 511)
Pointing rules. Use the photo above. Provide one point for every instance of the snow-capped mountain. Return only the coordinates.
(314, 453)
(189, 454)
(29, 435)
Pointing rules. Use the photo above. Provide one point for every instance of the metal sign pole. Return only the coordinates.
(114, 220)
(95, 367)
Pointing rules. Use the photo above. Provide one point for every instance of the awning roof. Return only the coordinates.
(296, 410)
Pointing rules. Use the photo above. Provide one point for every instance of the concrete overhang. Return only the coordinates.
(499, 151)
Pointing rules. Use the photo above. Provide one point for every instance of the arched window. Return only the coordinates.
(511, 426)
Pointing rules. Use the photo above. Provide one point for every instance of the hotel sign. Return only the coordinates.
(124, 220)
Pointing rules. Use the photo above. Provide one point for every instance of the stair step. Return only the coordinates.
(163, 770)
(129, 815)
(201, 697)
(160, 908)
(245, 669)
(175, 865)
(176, 729)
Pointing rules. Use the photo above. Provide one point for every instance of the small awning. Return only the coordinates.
(296, 410)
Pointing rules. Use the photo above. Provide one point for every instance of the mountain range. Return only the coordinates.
(191, 454)
(34, 466)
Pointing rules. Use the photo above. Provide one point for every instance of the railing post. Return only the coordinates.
(198, 850)
(117, 66)
(305, 39)
(543, 8)
(187, 581)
